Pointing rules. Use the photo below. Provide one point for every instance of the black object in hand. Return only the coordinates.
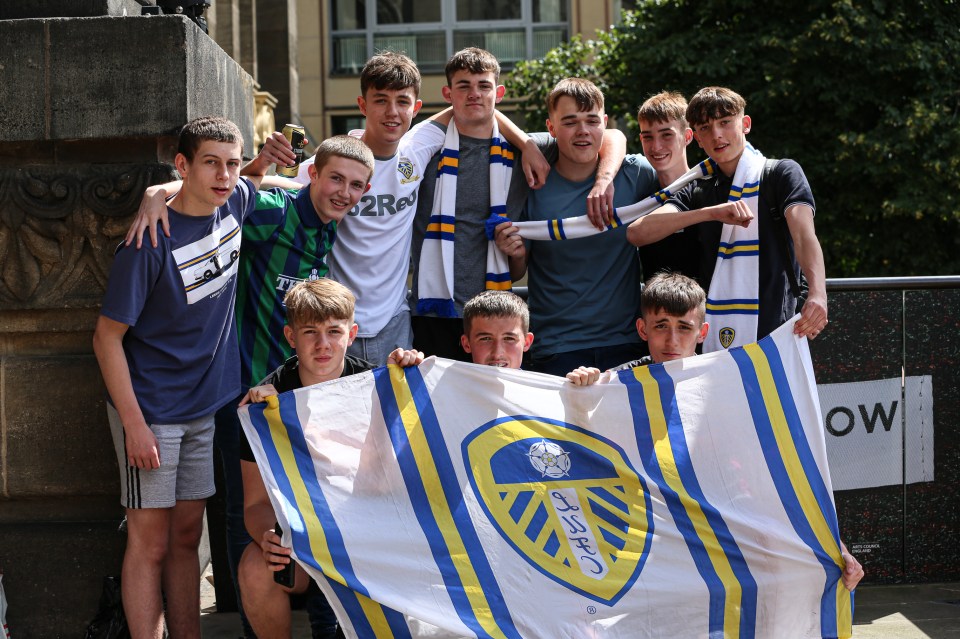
(283, 577)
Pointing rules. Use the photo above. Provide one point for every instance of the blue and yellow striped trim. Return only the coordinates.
(666, 458)
(501, 152)
(748, 190)
(555, 227)
(743, 248)
(795, 474)
(321, 543)
(498, 282)
(615, 221)
(449, 162)
(434, 491)
(733, 306)
(441, 227)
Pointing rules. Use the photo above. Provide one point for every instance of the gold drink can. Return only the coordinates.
(297, 136)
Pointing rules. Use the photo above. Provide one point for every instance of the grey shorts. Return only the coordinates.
(396, 334)
(186, 464)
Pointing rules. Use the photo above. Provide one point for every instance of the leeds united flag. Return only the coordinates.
(452, 500)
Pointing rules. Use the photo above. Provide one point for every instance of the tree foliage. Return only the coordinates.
(865, 94)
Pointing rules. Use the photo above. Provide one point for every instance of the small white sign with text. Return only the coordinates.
(872, 428)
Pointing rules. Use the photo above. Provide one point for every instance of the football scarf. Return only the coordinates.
(436, 277)
(733, 304)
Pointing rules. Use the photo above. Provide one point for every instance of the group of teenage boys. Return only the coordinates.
(317, 289)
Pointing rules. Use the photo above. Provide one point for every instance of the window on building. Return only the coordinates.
(430, 31)
(343, 124)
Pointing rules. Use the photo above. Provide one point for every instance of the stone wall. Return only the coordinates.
(88, 119)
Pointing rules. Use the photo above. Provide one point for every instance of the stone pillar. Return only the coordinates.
(226, 28)
(277, 56)
(248, 38)
(84, 128)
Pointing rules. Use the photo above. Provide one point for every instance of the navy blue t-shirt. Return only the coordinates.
(178, 300)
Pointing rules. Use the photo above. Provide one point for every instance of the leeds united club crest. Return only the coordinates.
(405, 168)
(566, 499)
(726, 336)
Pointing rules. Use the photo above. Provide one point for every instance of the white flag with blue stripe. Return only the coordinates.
(453, 500)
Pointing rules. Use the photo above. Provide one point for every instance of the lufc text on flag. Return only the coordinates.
(690, 499)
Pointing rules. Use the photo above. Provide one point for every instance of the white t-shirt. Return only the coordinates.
(371, 255)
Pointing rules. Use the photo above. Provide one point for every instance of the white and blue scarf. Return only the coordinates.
(436, 277)
(574, 227)
(733, 304)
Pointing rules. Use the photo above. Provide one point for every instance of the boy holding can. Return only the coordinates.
(286, 240)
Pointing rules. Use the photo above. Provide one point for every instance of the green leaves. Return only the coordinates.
(865, 94)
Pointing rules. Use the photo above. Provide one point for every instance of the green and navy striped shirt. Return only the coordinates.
(284, 242)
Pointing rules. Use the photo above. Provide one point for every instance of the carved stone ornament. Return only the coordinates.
(59, 228)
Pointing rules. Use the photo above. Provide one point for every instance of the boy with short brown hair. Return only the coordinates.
(166, 344)
(664, 136)
(569, 281)
(671, 322)
(752, 270)
(496, 329)
(319, 328)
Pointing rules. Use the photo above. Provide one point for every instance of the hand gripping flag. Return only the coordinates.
(690, 499)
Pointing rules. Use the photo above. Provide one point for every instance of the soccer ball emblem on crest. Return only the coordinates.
(549, 459)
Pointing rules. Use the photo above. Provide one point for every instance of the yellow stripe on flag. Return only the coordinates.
(433, 487)
(658, 429)
(318, 540)
(798, 478)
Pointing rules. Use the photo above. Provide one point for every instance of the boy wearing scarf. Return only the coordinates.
(584, 294)
(468, 182)
(743, 263)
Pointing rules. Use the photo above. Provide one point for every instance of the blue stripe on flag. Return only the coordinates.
(642, 428)
(819, 487)
(681, 454)
(347, 594)
(781, 476)
(396, 622)
(403, 449)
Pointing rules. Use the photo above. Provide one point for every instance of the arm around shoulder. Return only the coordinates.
(276, 150)
(613, 149)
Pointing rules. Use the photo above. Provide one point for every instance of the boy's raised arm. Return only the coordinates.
(276, 150)
(613, 149)
(668, 219)
(535, 166)
(153, 207)
(152, 211)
